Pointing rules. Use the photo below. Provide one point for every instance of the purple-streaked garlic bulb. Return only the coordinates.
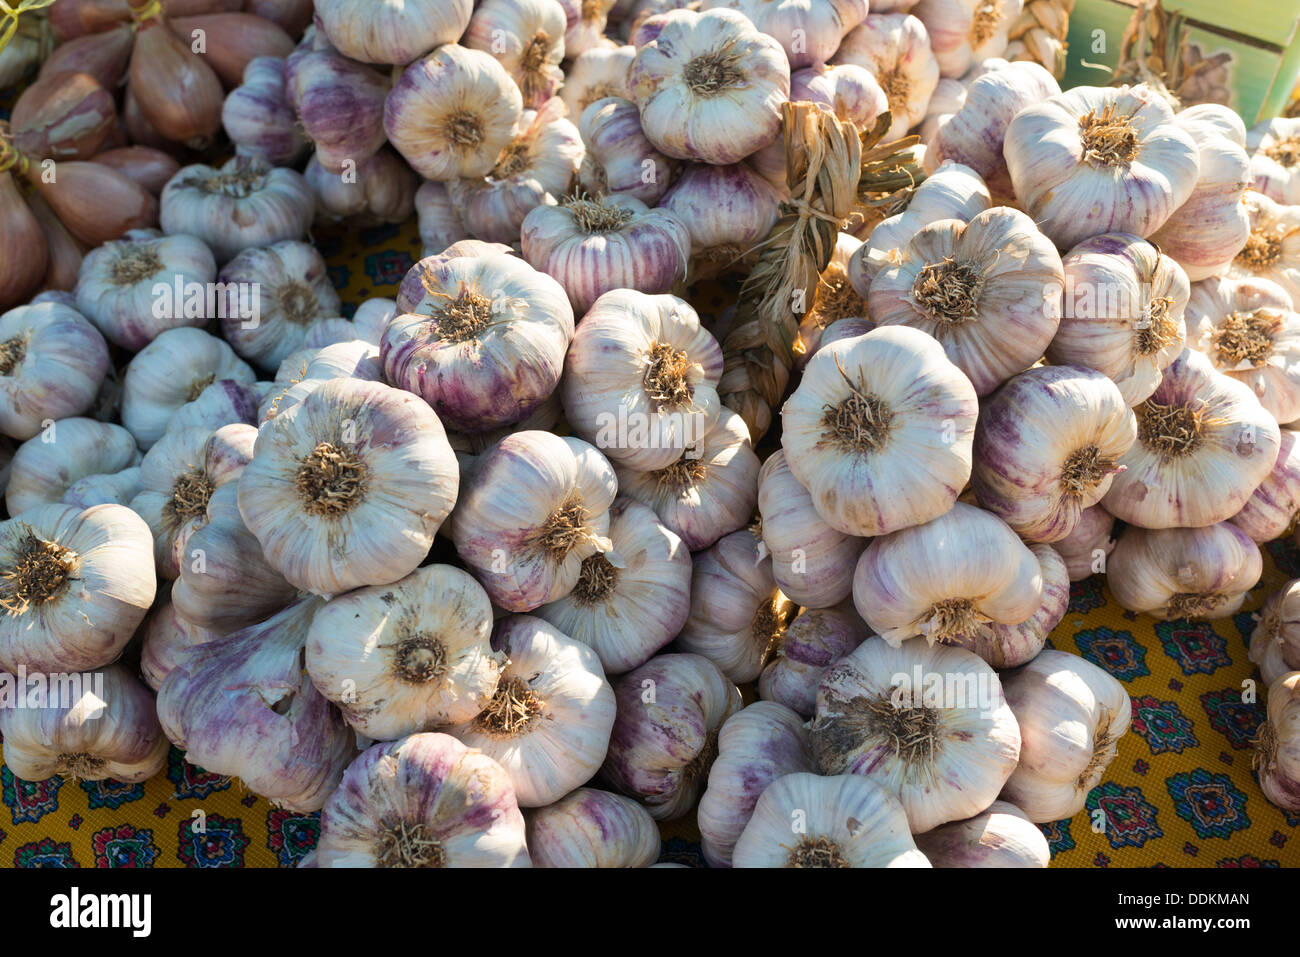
(424, 801)
(527, 37)
(393, 33)
(1272, 509)
(815, 640)
(1085, 549)
(535, 508)
(439, 221)
(585, 24)
(895, 47)
(596, 74)
(164, 638)
(665, 735)
(591, 828)
(1275, 642)
(1173, 573)
(257, 115)
(97, 725)
(52, 364)
(964, 33)
(809, 32)
(619, 159)
(1274, 158)
(46, 465)
(222, 402)
(728, 211)
(380, 190)
(1277, 756)
(835, 300)
(113, 488)
(243, 705)
(756, 745)
(411, 290)
(1272, 250)
(1002, 836)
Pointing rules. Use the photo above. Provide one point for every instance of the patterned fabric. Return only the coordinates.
(1180, 793)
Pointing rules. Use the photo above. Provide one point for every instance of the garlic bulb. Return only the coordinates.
(812, 563)
(52, 363)
(1204, 445)
(1009, 645)
(595, 74)
(1276, 758)
(485, 346)
(895, 47)
(613, 242)
(710, 87)
(586, 21)
(116, 488)
(965, 32)
(1071, 716)
(303, 372)
(165, 637)
(242, 705)
(711, 490)
(178, 477)
(1249, 332)
(452, 113)
(1273, 249)
(1207, 232)
(974, 135)
(988, 290)
(1173, 573)
(879, 431)
(171, 371)
(394, 32)
(1272, 509)
(73, 585)
(440, 224)
(45, 465)
(348, 487)
(380, 190)
(527, 37)
(895, 716)
(590, 828)
(548, 724)
(1085, 549)
(945, 578)
(411, 291)
(665, 735)
(424, 801)
(258, 118)
(1100, 159)
(406, 657)
(641, 378)
(626, 614)
(619, 159)
(536, 508)
(1274, 158)
(1275, 642)
(1002, 836)
(1047, 446)
(136, 287)
(244, 203)
(108, 730)
(839, 821)
(756, 745)
(809, 31)
(815, 640)
(223, 402)
(339, 104)
(728, 212)
(1123, 313)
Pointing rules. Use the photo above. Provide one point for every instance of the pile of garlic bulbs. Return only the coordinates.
(488, 572)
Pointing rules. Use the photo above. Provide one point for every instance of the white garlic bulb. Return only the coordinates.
(392, 32)
(1071, 716)
(1272, 250)
(224, 402)
(619, 159)
(380, 190)
(52, 363)
(116, 488)
(438, 219)
(815, 640)
(595, 74)
(406, 657)
(1085, 549)
(46, 465)
(1172, 573)
(879, 431)
(549, 721)
(587, 20)
(165, 637)
(591, 828)
(1277, 757)
(1204, 445)
(1274, 158)
(1275, 642)
(527, 37)
(809, 31)
(1002, 836)
(895, 47)
(965, 32)
(102, 726)
(1271, 510)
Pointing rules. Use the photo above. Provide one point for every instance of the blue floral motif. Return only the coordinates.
(29, 801)
(1118, 652)
(1058, 836)
(1086, 595)
(1162, 725)
(110, 793)
(1233, 718)
(1130, 818)
(1209, 802)
(1193, 645)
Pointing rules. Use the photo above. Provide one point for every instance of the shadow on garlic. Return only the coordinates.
(1173, 573)
(591, 828)
(46, 465)
(1002, 836)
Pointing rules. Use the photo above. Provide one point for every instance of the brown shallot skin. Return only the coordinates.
(144, 165)
(63, 116)
(104, 56)
(94, 202)
(232, 40)
(22, 246)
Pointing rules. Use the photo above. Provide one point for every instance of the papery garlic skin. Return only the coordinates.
(1273, 161)
(1249, 331)
(305, 371)
(596, 74)
(850, 822)
(591, 828)
(1085, 549)
(809, 31)
(728, 211)
(165, 637)
(548, 724)
(527, 37)
(710, 87)
(626, 614)
(114, 488)
(1272, 251)
(815, 640)
(587, 20)
(617, 152)
(109, 731)
(988, 290)
(1275, 642)
(406, 657)
(75, 586)
(1046, 447)
(946, 577)
(411, 291)
(386, 193)
(1100, 159)
(1277, 757)
(52, 363)
(223, 402)
(1123, 312)
(1071, 716)
(1272, 508)
(339, 104)
(1002, 836)
(1173, 573)
(424, 801)
(1007, 646)
(879, 431)
(710, 491)
(1204, 445)
(452, 112)
(664, 739)
(641, 379)
(394, 32)
(971, 746)
(965, 32)
(756, 745)
(258, 118)
(485, 346)
(895, 47)
(119, 284)
(46, 465)
(812, 563)
(439, 223)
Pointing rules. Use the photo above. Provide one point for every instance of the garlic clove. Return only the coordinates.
(1002, 836)
(591, 828)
